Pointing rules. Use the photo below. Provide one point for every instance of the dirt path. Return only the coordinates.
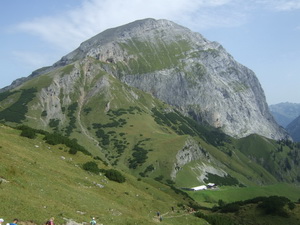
(170, 214)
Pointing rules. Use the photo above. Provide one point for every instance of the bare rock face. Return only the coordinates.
(185, 70)
(191, 151)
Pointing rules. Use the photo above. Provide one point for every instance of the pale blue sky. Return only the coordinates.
(263, 35)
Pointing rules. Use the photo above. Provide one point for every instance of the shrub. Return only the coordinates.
(91, 167)
(73, 151)
(139, 155)
(291, 205)
(159, 178)
(44, 113)
(72, 119)
(230, 208)
(28, 133)
(215, 219)
(226, 180)
(221, 203)
(54, 122)
(17, 111)
(56, 138)
(274, 205)
(115, 175)
(147, 170)
(170, 182)
(87, 110)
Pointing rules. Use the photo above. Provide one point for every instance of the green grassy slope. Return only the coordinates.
(39, 181)
(281, 158)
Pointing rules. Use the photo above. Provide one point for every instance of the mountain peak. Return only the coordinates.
(136, 28)
(185, 70)
(144, 30)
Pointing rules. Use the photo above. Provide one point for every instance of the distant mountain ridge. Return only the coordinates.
(285, 112)
(185, 70)
(294, 129)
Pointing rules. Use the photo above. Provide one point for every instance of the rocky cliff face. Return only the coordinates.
(185, 70)
(192, 151)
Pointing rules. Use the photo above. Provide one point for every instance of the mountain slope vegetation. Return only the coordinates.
(135, 132)
(41, 180)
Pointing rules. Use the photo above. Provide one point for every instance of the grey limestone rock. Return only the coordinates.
(204, 81)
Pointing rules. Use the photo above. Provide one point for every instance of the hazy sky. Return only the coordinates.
(263, 35)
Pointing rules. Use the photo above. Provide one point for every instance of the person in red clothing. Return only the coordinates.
(51, 221)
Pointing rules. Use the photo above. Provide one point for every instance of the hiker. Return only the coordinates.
(158, 214)
(93, 221)
(1, 221)
(15, 222)
(51, 221)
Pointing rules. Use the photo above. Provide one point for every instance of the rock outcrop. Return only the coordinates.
(191, 151)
